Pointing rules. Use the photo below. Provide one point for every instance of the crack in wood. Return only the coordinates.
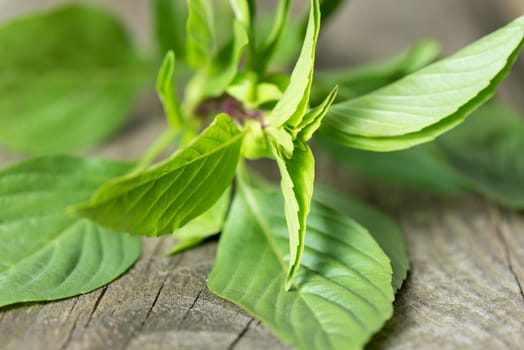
(95, 307)
(70, 334)
(501, 229)
(72, 307)
(153, 304)
(241, 334)
(2, 315)
(72, 330)
(186, 315)
(505, 229)
(142, 324)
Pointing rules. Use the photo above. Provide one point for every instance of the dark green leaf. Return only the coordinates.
(268, 48)
(423, 105)
(165, 197)
(423, 167)
(170, 19)
(45, 254)
(327, 9)
(383, 229)
(488, 151)
(354, 82)
(343, 293)
(213, 79)
(68, 79)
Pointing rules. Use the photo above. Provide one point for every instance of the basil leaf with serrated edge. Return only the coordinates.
(383, 229)
(343, 294)
(487, 150)
(45, 254)
(313, 118)
(77, 82)
(294, 101)
(425, 104)
(166, 196)
(297, 180)
(203, 226)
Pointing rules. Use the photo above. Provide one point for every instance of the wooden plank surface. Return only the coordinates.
(465, 288)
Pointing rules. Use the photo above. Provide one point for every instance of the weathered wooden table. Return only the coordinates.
(465, 288)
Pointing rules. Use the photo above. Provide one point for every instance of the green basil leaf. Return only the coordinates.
(76, 83)
(425, 104)
(165, 197)
(314, 117)
(297, 182)
(166, 92)
(423, 167)
(354, 82)
(169, 24)
(487, 150)
(291, 107)
(199, 39)
(383, 229)
(343, 294)
(45, 254)
(204, 226)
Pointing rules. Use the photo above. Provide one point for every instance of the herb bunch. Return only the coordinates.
(318, 268)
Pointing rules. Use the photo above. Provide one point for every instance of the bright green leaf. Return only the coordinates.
(204, 226)
(297, 182)
(344, 292)
(166, 92)
(45, 254)
(169, 20)
(69, 88)
(165, 197)
(423, 167)
(488, 150)
(383, 229)
(354, 82)
(291, 107)
(199, 39)
(314, 117)
(425, 104)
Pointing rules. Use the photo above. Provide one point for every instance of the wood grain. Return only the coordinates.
(465, 288)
